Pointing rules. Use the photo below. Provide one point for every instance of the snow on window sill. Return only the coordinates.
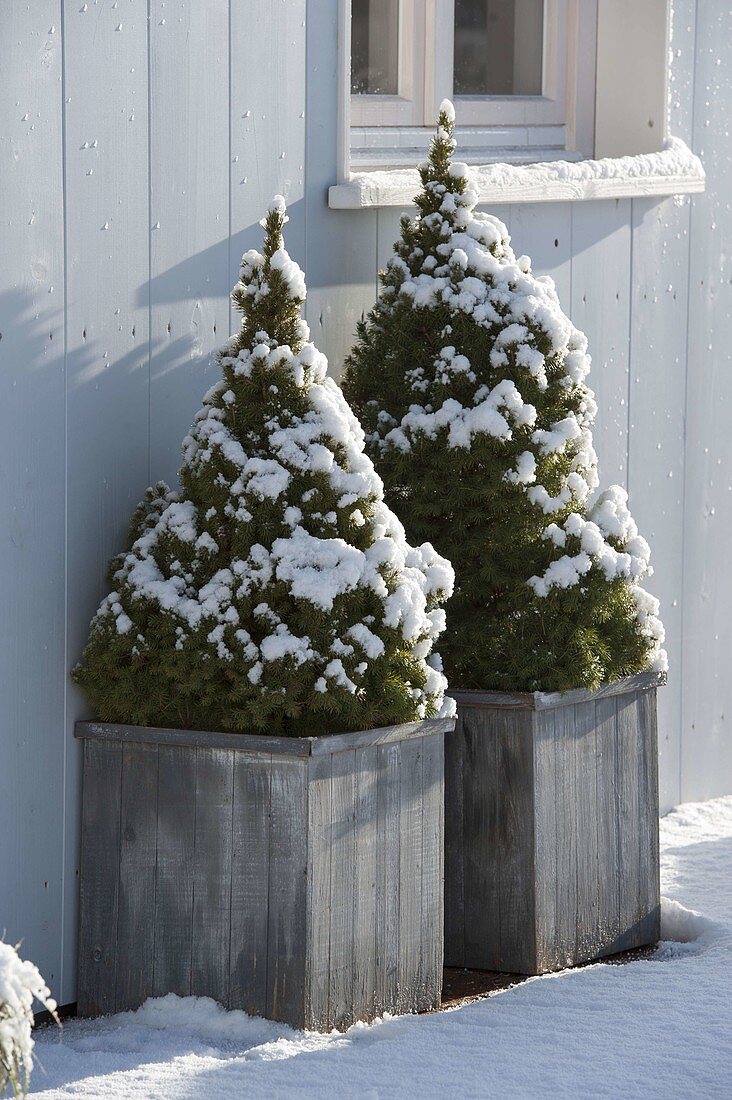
(675, 170)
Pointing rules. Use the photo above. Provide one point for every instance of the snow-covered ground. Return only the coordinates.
(655, 1028)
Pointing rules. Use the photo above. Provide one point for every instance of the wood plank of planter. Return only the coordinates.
(387, 875)
(410, 875)
(432, 915)
(566, 825)
(174, 871)
(318, 908)
(364, 929)
(250, 859)
(212, 874)
(650, 921)
(99, 877)
(514, 838)
(539, 700)
(626, 785)
(482, 821)
(136, 918)
(644, 681)
(238, 742)
(287, 927)
(586, 927)
(608, 839)
(255, 743)
(547, 841)
(342, 885)
(454, 914)
(339, 742)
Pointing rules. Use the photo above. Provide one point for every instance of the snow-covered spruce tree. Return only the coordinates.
(20, 984)
(470, 383)
(275, 591)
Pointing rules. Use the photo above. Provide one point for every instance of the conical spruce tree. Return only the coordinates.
(275, 591)
(470, 383)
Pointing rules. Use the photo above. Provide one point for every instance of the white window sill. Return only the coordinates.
(673, 171)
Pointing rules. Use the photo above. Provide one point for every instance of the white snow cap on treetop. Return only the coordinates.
(447, 108)
(291, 272)
(276, 206)
(252, 283)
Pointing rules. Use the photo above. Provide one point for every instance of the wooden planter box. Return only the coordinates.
(295, 878)
(551, 827)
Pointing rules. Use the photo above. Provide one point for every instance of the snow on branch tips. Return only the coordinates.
(470, 382)
(20, 984)
(275, 589)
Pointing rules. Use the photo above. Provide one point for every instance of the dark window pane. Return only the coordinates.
(374, 42)
(498, 47)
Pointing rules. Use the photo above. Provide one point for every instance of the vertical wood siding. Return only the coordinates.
(32, 484)
(138, 146)
(706, 746)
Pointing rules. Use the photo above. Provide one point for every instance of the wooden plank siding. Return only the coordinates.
(190, 277)
(341, 245)
(706, 745)
(599, 306)
(33, 660)
(107, 353)
(163, 122)
(306, 888)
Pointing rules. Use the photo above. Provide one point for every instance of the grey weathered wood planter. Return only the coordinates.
(296, 878)
(551, 827)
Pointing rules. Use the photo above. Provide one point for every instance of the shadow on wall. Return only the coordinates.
(33, 674)
(25, 340)
(32, 442)
(215, 270)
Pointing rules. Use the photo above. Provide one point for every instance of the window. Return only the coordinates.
(532, 80)
(507, 64)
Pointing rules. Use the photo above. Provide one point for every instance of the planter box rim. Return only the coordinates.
(541, 700)
(261, 745)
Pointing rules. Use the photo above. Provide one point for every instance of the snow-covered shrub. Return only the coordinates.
(470, 383)
(20, 984)
(275, 591)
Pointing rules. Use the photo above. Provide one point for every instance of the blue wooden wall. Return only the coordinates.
(139, 143)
